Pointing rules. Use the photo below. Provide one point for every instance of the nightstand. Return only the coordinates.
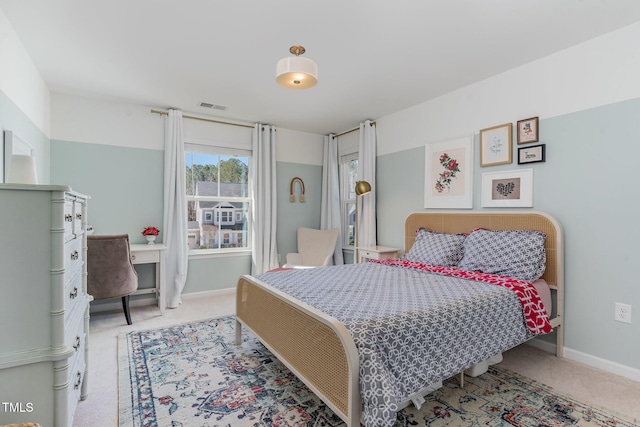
(377, 252)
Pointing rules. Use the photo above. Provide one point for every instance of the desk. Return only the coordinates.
(376, 252)
(152, 254)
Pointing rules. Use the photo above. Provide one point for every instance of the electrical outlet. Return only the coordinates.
(623, 313)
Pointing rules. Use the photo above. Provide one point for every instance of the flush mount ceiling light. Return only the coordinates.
(296, 72)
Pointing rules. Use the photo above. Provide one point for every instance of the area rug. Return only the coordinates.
(194, 375)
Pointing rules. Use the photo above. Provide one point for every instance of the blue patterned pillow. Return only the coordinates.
(514, 253)
(436, 248)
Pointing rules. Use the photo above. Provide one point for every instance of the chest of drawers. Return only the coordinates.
(44, 308)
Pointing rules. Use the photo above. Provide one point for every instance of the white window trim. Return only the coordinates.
(210, 147)
(344, 202)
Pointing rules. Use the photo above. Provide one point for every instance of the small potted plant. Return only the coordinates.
(151, 232)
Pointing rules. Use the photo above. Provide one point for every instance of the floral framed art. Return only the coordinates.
(508, 189)
(531, 154)
(449, 174)
(496, 145)
(528, 130)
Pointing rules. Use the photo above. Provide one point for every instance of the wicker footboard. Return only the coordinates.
(315, 347)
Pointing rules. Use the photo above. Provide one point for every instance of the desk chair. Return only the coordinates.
(110, 273)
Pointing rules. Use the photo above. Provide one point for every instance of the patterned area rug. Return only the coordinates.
(193, 375)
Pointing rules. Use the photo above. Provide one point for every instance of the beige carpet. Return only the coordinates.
(586, 384)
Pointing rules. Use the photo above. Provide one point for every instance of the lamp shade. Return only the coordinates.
(22, 170)
(296, 72)
(362, 188)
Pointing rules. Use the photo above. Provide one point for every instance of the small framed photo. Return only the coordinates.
(508, 189)
(495, 145)
(528, 130)
(532, 154)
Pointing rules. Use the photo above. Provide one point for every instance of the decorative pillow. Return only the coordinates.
(514, 253)
(436, 248)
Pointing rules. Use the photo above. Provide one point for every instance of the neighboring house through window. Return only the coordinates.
(218, 198)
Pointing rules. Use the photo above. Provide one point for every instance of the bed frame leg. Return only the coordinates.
(462, 379)
(238, 333)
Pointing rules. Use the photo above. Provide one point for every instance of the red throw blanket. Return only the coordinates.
(532, 306)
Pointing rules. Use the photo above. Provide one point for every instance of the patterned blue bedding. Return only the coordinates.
(411, 328)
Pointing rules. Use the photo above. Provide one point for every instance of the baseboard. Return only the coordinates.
(603, 364)
(588, 359)
(116, 305)
(194, 295)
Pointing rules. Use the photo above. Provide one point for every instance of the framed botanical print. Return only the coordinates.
(495, 145)
(449, 174)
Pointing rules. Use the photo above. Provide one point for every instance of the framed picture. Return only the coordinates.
(13, 144)
(495, 145)
(508, 189)
(449, 174)
(528, 130)
(532, 154)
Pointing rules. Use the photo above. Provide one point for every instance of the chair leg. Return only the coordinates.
(125, 306)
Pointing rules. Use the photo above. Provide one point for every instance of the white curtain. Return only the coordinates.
(175, 209)
(330, 206)
(264, 255)
(367, 172)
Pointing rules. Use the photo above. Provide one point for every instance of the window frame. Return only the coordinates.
(345, 201)
(211, 148)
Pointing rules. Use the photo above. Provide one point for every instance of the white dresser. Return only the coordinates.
(44, 306)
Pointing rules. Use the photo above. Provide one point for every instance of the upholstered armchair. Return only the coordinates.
(315, 248)
(110, 273)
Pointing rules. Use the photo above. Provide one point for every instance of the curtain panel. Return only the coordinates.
(330, 206)
(367, 172)
(175, 209)
(264, 254)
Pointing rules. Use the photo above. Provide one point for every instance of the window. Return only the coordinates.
(218, 198)
(348, 179)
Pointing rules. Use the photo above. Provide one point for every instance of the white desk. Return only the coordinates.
(152, 254)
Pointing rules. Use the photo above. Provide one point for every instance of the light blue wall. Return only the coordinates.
(294, 215)
(590, 184)
(125, 186)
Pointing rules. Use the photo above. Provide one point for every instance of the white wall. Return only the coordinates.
(20, 80)
(601, 71)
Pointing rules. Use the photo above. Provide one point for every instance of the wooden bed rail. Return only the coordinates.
(315, 347)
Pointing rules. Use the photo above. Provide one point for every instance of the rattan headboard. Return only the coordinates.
(465, 222)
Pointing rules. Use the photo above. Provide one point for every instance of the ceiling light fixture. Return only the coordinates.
(296, 72)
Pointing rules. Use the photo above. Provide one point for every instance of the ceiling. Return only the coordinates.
(374, 57)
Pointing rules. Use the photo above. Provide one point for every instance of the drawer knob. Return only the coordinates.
(133, 257)
(74, 294)
(76, 346)
(74, 255)
(78, 381)
(78, 216)
(68, 217)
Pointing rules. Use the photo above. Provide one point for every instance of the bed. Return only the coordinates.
(321, 350)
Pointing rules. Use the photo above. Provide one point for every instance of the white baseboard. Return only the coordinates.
(603, 364)
(194, 295)
(590, 360)
(116, 304)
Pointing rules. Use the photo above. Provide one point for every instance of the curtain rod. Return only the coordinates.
(352, 130)
(164, 113)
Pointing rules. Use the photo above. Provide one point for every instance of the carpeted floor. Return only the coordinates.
(192, 374)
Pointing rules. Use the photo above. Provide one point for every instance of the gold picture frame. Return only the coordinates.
(496, 145)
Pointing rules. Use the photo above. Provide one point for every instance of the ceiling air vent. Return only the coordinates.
(213, 106)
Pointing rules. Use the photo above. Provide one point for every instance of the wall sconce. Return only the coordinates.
(362, 188)
(292, 196)
(22, 170)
